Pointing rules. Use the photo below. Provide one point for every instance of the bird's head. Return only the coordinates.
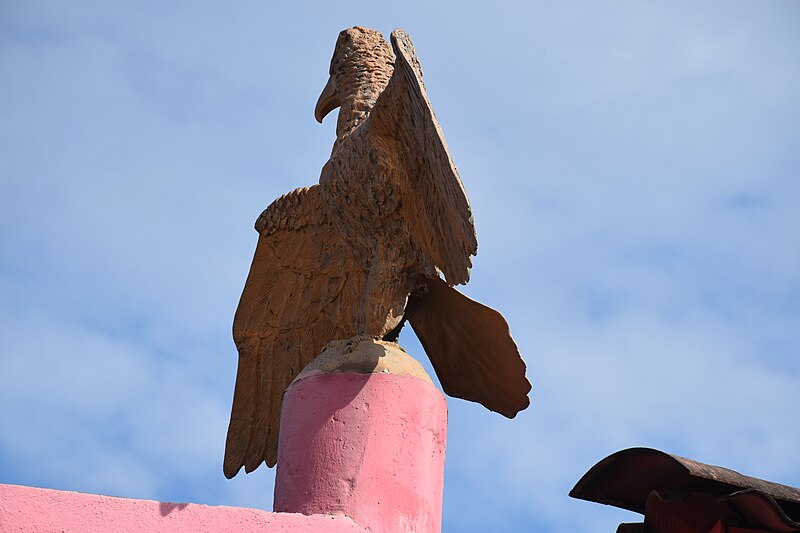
(361, 66)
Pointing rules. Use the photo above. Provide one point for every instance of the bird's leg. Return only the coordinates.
(384, 299)
(393, 335)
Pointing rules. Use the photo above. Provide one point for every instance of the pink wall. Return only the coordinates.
(43, 511)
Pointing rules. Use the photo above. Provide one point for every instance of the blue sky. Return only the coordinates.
(633, 169)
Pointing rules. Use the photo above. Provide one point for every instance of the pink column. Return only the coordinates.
(370, 446)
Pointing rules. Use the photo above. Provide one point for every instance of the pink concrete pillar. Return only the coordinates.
(368, 442)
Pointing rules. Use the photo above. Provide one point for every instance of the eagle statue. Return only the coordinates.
(381, 239)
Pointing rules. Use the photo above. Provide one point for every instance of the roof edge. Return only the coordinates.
(625, 478)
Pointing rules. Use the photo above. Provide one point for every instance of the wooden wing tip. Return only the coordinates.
(230, 468)
(272, 459)
(523, 404)
(404, 48)
(399, 34)
(252, 463)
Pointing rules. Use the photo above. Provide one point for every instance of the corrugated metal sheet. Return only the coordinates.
(625, 479)
(754, 509)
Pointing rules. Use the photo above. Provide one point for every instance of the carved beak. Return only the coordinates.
(328, 101)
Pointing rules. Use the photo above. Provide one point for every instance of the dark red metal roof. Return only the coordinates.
(626, 478)
(756, 509)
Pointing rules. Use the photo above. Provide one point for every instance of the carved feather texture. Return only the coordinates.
(437, 209)
(470, 348)
(298, 271)
(341, 258)
(292, 211)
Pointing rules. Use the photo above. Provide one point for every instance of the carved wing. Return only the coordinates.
(470, 348)
(435, 206)
(296, 298)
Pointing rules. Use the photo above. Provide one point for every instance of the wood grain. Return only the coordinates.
(341, 258)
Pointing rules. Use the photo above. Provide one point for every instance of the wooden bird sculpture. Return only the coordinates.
(362, 251)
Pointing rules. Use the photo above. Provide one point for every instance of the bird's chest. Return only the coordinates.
(363, 199)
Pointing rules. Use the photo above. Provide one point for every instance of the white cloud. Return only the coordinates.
(633, 174)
